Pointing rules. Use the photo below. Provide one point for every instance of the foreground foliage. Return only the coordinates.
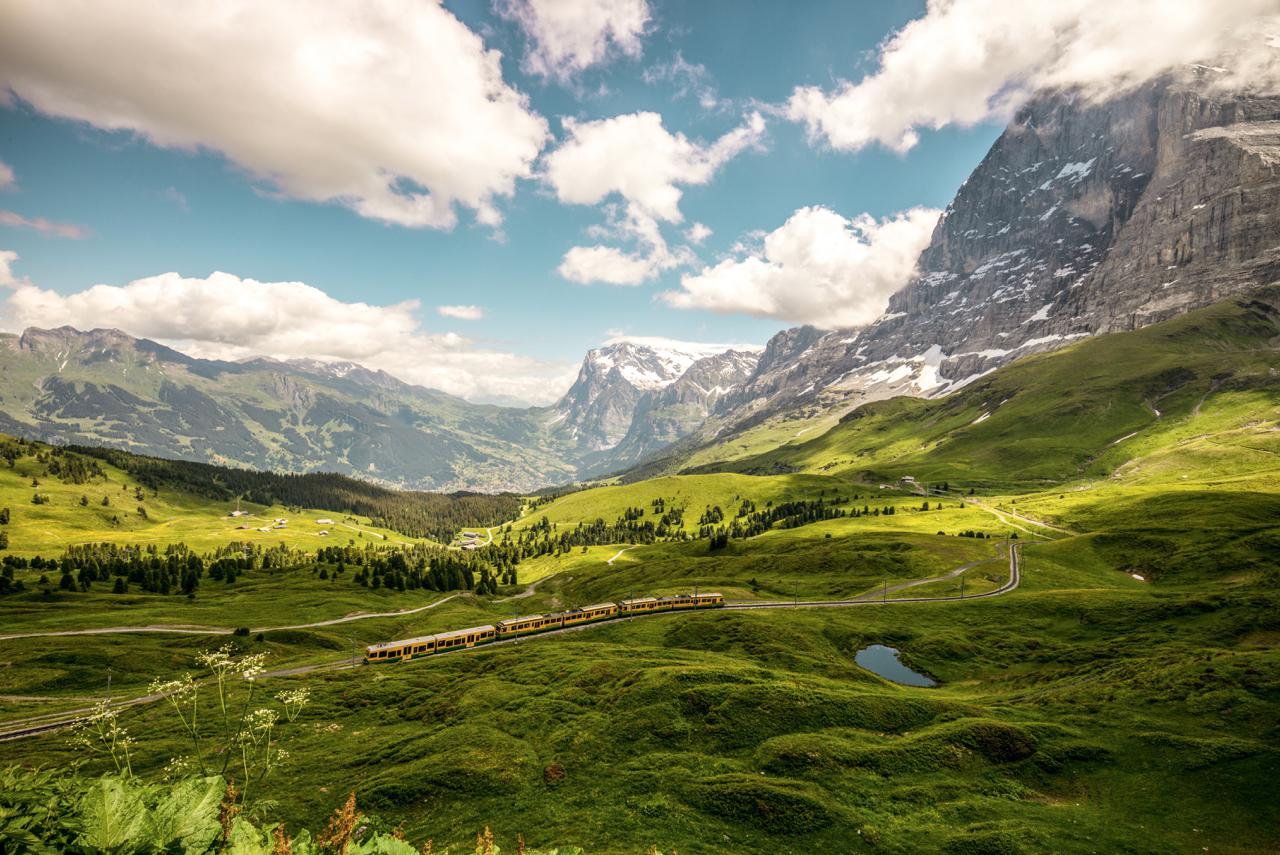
(44, 812)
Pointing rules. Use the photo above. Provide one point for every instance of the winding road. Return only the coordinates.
(48, 722)
(187, 629)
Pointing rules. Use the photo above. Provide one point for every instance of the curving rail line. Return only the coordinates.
(49, 722)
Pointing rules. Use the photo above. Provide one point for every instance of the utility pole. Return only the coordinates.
(962, 586)
(884, 598)
(353, 650)
(108, 682)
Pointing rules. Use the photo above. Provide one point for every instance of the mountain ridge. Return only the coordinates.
(1083, 219)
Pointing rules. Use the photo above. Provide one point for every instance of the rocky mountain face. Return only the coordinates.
(667, 414)
(617, 380)
(1083, 218)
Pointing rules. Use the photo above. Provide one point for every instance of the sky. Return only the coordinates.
(471, 194)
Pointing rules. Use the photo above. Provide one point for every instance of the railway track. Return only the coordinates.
(50, 722)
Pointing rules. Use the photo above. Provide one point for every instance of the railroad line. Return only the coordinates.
(50, 722)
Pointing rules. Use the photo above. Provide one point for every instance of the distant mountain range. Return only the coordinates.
(103, 387)
(1084, 218)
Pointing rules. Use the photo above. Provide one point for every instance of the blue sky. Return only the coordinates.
(120, 178)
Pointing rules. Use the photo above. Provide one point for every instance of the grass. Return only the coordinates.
(171, 517)
(693, 493)
(1064, 709)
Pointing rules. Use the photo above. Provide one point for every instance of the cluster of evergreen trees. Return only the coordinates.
(444, 571)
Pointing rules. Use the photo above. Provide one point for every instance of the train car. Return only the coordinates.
(394, 651)
(588, 614)
(708, 601)
(638, 605)
(465, 637)
(511, 627)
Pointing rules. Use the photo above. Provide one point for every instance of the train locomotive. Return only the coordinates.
(442, 642)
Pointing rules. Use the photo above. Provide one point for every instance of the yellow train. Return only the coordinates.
(441, 642)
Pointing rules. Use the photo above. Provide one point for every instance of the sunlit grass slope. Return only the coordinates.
(171, 516)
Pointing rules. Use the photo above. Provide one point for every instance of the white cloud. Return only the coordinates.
(6, 176)
(462, 313)
(607, 264)
(42, 225)
(225, 317)
(392, 108)
(7, 279)
(637, 158)
(817, 268)
(697, 349)
(565, 37)
(697, 233)
(634, 156)
(688, 78)
(969, 60)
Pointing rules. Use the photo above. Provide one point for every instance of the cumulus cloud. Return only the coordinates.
(697, 233)
(42, 225)
(636, 158)
(223, 316)
(7, 279)
(969, 60)
(462, 313)
(565, 37)
(816, 268)
(607, 264)
(393, 108)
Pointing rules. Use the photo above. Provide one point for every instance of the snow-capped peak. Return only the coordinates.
(651, 363)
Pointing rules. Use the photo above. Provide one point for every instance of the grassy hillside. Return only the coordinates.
(172, 515)
(1086, 712)
(1207, 379)
(692, 493)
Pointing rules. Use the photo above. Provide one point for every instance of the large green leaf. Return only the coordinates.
(113, 814)
(186, 818)
(246, 839)
(381, 844)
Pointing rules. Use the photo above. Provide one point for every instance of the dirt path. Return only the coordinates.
(618, 555)
(881, 593)
(1005, 515)
(528, 591)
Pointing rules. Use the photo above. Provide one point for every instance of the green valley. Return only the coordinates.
(1132, 671)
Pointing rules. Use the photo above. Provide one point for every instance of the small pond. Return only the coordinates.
(884, 661)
